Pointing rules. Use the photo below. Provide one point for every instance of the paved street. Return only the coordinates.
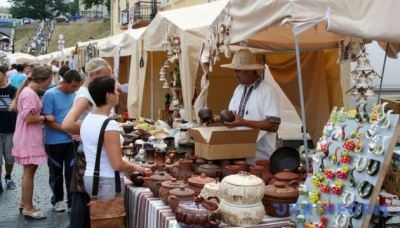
(9, 212)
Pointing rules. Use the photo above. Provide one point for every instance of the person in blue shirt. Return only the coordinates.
(19, 77)
(59, 147)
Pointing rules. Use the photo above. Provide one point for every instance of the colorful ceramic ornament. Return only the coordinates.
(338, 133)
(372, 167)
(329, 173)
(374, 114)
(302, 189)
(340, 221)
(365, 189)
(352, 180)
(359, 143)
(321, 167)
(365, 116)
(336, 187)
(324, 187)
(300, 219)
(345, 157)
(386, 123)
(334, 115)
(360, 163)
(354, 133)
(381, 114)
(328, 128)
(347, 198)
(334, 158)
(358, 115)
(372, 145)
(342, 115)
(322, 143)
(349, 145)
(316, 179)
(381, 148)
(341, 173)
(313, 196)
(372, 130)
(318, 208)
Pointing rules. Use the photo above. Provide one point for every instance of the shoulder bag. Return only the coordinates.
(106, 213)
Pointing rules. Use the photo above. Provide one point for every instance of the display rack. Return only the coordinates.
(340, 210)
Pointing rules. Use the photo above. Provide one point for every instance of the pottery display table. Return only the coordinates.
(145, 210)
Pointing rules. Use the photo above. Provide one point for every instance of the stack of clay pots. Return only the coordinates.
(241, 196)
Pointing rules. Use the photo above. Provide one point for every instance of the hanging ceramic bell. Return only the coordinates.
(166, 85)
(362, 82)
(166, 64)
(162, 74)
(369, 92)
(363, 63)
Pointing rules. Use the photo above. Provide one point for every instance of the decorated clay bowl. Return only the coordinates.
(226, 116)
(205, 114)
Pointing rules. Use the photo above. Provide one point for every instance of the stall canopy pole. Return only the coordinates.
(303, 114)
(152, 89)
(383, 71)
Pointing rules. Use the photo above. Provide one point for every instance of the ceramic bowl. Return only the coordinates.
(128, 128)
(227, 116)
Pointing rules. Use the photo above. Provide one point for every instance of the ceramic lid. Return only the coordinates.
(161, 176)
(182, 191)
(287, 175)
(200, 180)
(172, 183)
(210, 166)
(212, 186)
(198, 205)
(243, 179)
(280, 190)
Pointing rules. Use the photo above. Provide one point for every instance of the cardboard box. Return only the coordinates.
(213, 143)
(393, 103)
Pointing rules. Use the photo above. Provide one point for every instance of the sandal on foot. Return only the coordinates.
(21, 207)
(35, 215)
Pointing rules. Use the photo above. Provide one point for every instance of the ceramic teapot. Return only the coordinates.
(183, 170)
(155, 180)
(196, 183)
(288, 177)
(168, 185)
(178, 195)
(198, 213)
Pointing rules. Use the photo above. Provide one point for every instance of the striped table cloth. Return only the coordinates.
(146, 211)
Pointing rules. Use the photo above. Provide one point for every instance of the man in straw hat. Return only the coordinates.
(255, 102)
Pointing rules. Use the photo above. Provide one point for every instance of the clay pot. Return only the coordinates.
(205, 114)
(267, 175)
(210, 169)
(230, 170)
(282, 194)
(196, 183)
(171, 154)
(137, 177)
(160, 156)
(170, 141)
(226, 116)
(168, 185)
(197, 163)
(288, 177)
(128, 128)
(242, 164)
(154, 182)
(178, 195)
(150, 154)
(183, 170)
(242, 215)
(256, 170)
(198, 214)
(242, 188)
(159, 167)
(180, 154)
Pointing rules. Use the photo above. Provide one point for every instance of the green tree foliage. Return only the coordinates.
(39, 9)
(89, 3)
(107, 3)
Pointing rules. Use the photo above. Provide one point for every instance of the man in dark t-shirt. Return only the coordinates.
(7, 128)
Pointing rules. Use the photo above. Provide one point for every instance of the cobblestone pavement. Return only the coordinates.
(9, 212)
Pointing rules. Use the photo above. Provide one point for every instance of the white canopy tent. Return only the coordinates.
(20, 58)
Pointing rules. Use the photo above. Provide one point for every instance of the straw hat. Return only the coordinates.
(244, 60)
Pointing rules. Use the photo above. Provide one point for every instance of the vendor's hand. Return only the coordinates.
(239, 121)
(139, 169)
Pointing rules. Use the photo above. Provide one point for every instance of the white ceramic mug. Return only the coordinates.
(387, 199)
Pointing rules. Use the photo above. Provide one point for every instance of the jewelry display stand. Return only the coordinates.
(323, 202)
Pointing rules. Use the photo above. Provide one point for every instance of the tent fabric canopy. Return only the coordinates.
(111, 46)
